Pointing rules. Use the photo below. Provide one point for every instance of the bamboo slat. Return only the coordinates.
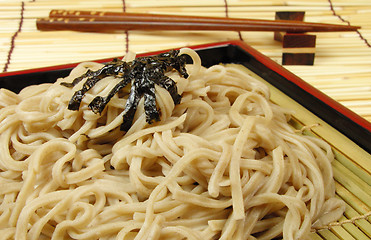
(353, 231)
(328, 235)
(360, 227)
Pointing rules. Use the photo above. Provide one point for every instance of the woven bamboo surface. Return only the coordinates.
(342, 67)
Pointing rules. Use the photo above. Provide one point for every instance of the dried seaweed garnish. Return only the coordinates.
(142, 73)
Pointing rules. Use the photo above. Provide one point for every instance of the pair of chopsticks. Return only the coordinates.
(96, 21)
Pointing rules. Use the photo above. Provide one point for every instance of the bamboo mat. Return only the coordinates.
(342, 67)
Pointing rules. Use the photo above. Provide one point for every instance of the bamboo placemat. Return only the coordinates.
(342, 67)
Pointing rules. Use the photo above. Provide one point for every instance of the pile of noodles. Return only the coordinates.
(223, 164)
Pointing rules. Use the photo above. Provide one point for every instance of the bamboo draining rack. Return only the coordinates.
(342, 67)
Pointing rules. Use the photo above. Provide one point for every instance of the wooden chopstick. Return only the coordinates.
(114, 21)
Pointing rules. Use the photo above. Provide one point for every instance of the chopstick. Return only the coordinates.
(98, 21)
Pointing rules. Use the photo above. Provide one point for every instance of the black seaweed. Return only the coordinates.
(142, 73)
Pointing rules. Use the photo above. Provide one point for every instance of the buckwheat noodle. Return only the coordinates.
(223, 164)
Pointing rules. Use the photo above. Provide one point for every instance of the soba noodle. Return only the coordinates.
(223, 164)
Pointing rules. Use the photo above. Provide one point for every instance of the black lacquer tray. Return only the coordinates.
(347, 133)
(342, 119)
